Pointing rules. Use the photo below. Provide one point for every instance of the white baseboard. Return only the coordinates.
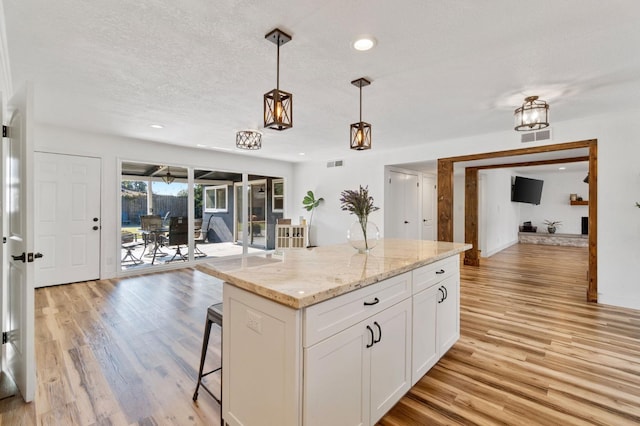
(498, 249)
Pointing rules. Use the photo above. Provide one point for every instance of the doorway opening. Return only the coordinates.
(513, 158)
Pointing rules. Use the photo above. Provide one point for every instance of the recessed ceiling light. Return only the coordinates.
(201, 145)
(562, 168)
(364, 43)
(301, 153)
(156, 126)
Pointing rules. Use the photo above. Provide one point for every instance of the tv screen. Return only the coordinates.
(526, 190)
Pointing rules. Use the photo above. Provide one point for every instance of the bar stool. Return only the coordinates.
(214, 316)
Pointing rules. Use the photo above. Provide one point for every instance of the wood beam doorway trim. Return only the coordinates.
(471, 256)
(445, 197)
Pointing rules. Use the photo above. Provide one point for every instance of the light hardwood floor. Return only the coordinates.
(532, 351)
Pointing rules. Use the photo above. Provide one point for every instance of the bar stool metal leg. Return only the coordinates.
(214, 315)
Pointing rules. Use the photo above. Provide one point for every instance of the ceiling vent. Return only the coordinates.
(337, 163)
(542, 135)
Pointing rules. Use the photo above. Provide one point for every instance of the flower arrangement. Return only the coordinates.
(359, 203)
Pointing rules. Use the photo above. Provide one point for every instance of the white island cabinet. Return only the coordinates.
(327, 336)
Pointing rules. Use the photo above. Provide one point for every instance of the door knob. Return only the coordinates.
(95, 228)
(95, 219)
(38, 255)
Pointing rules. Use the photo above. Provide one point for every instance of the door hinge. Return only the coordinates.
(5, 337)
(4, 131)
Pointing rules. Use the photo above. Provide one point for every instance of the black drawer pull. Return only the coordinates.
(379, 331)
(373, 339)
(446, 293)
(441, 291)
(441, 271)
(375, 302)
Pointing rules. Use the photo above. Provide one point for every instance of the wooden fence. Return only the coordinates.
(135, 206)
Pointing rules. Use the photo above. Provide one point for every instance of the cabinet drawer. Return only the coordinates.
(428, 275)
(328, 318)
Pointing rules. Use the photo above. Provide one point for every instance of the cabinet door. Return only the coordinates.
(336, 379)
(448, 315)
(425, 343)
(390, 357)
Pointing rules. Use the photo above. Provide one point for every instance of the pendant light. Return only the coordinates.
(532, 115)
(168, 178)
(248, 139)
(278, 105)
(360, 138)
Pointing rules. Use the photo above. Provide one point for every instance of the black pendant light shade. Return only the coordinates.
(532, 115)
(278, 104)
(360, 137)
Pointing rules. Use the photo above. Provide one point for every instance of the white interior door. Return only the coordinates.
(404, 196)
(19, 319)
(67, 218)
(428, 208)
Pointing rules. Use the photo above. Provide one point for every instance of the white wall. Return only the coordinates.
(498, 216)
(330, 223)
(112, 149)
(618, 189)
(554, 203)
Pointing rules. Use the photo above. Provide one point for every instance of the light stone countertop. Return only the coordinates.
(302, 277)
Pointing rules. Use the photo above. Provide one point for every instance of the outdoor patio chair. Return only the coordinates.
(129, 243)
(178, 236)
(197, 236)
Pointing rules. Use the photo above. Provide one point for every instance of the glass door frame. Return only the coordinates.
(238, 216)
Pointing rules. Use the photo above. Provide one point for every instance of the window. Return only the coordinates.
(278, 195)
(215, 199)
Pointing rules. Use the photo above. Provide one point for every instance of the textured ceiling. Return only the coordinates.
(441, 69)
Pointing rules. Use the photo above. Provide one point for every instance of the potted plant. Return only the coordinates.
(360, 203)
(310, 202)
(552, 225)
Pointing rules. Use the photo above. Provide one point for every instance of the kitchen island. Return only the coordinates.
(329, 336)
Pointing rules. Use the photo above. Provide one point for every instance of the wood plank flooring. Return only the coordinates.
(532, 351)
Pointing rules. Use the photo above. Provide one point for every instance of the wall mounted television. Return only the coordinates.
(526, 190)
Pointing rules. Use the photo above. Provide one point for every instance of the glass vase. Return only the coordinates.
(363, 236)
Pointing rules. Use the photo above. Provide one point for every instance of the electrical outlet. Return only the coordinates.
(254, 322)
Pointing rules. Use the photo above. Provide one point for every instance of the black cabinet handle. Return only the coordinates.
(441, 271)
(441, 291)
(373, 340)
(375, 302)
(379, 331)
(446, 292)
(406, 221)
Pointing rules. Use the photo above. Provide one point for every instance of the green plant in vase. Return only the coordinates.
(552, 225)
(310, 203)
(360, 203)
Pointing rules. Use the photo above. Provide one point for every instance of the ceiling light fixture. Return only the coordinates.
(248, 139)
(360, 138)
(168, 178)
(532, 115)
(278, 105)
(364, 43)
(156, 126)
